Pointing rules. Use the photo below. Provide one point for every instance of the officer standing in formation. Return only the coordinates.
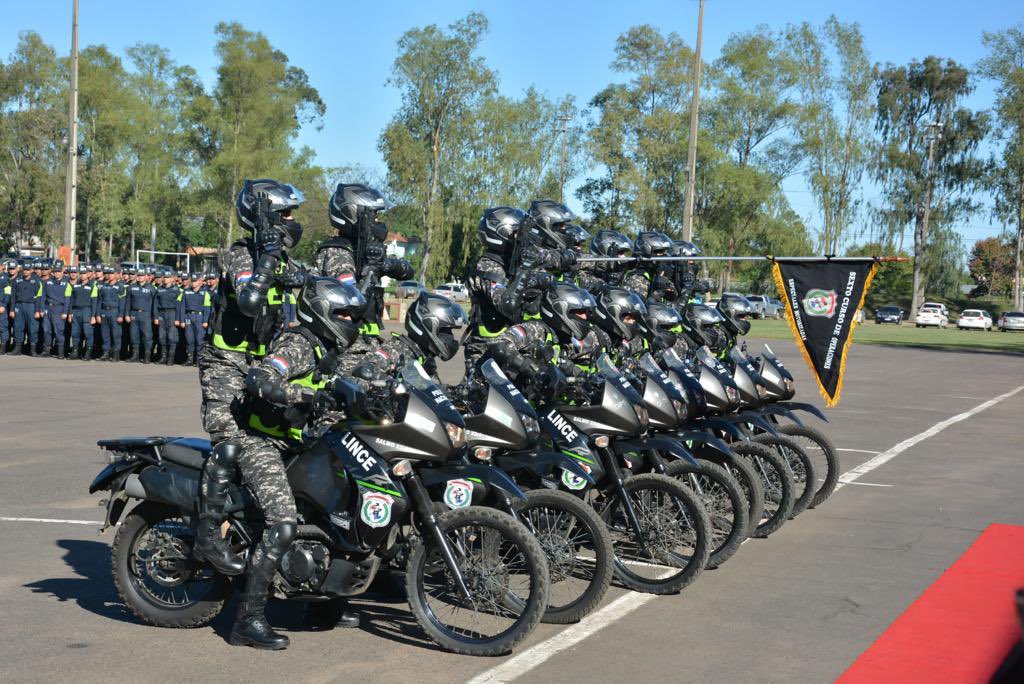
(8, 269)
(113, 297)
(55, 309)
(195, 315)
(26, 308)
(167, 321)
(141, 316)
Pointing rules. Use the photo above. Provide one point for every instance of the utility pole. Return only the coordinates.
(71, 187)
(691, 150)
(561, 164)
(921, 234)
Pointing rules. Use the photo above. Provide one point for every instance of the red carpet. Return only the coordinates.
(962, 626)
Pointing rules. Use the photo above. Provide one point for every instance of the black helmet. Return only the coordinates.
(432, 321)
(547, 219)
(559, 306)
(11, 263)
(613, 306)
(611, 243)
(577, 236)
(498, 226)
(663, 324)
(195, 276)
(108, 270)
(651, 243)
(348, 200)
(58, 265)
(43, 264)
(684, 248)
(283, 199)
(324, 304)
(735, 310)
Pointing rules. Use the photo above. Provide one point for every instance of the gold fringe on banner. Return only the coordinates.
(780, 285)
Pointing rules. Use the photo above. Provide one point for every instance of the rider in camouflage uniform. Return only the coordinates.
(649, 279)
(281, 391)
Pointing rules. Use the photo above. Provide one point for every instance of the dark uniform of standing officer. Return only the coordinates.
(84, 298)
(113, 298)
(168, 300)
(27, 309)
(195, 314)
(141, 314)
(9, 268)
(55, 310)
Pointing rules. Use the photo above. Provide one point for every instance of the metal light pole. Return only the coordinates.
(561, 164)
(691, 150)
(71, 187)
(921, 235)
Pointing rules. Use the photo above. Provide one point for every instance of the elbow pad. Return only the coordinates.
(265, 385)
(254, 295)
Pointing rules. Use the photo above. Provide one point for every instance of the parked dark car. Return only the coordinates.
(888, 314)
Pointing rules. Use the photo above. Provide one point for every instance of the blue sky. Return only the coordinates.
(560, 47)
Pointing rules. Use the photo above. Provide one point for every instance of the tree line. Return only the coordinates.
(159, 150)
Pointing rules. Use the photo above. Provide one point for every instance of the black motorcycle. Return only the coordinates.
(476, 579)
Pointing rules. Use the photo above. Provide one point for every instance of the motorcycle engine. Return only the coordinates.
(304, 566)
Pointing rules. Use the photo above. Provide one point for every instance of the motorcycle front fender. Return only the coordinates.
(756, 420)
(717, 422)
(665, 445)
(707, 439)
(809, 408)
(543, 463)
(486, 475)
(776, 410)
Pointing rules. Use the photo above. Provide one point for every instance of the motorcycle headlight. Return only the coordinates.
(641, 414)
(762, 391)
(482, 453)
(531, 426)
(456, 434)
(788, 384)
(732, 394)
(680, 408)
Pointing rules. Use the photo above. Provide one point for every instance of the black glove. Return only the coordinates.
(269, 241)
(568, 259)
(539, 280)
(293, 279)
(375, 253)
(399, 269)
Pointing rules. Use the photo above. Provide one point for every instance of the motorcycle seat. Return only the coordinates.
(187, 451)
(131, 443)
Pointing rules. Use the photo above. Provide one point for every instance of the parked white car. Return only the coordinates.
(974, 319)
(931, 315)
(456, 292)
(1011, 320)
(764, 307)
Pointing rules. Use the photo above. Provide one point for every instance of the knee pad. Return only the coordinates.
(226, 454)
(279, 537)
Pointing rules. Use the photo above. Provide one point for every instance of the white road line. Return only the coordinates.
(860, 451)
(864, 484)
(531, 658)
(97, 523)
(881, 459)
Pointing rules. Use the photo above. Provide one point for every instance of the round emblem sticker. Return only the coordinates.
(458, 493)
(572, 480)
(376, 509)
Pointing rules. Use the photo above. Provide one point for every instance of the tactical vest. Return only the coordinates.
(485, 319)
(234, 331)
(287, 422)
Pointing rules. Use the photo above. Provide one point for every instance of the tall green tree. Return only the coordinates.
(33, 123)
(919, 116)
(991, 265)
(244, 128)
(442, 80)
(1005, 65)
(639, 138)
(835, 118)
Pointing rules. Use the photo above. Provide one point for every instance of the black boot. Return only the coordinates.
(211, 545)
(135, 354)
(330, 614)
(147, 354)
(168, 356)
(251, 627)
(60, 351)
(31, 349)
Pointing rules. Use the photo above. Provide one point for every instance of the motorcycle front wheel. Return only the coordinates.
(505, 570)
(156, 575)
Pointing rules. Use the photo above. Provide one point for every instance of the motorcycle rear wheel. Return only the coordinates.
(777, 482)
(800, 462)
(505, 570)
(822, 452)
(725, 504)
(153, 568)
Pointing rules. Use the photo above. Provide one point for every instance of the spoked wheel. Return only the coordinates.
(724, 502)
(804, 473)
(156, 574)
(504, 569)
(823, 454)
(673, 543)
(777, 482)
(578, 548)
(749, 482)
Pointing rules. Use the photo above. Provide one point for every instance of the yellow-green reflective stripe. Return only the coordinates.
(370, 485)
(256, 423)
(531, 317)
(274, 296)
(221, 343)
(369, 329)
(484, 332)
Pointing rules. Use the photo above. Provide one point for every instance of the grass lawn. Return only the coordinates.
(907, 335)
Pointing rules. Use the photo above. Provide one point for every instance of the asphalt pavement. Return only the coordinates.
(799, 606)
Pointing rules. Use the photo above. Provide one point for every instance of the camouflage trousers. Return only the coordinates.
(263, 473)
(222, 382)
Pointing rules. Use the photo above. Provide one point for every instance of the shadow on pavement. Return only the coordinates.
(93, 588)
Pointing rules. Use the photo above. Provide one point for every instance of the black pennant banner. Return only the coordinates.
(822, 300)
